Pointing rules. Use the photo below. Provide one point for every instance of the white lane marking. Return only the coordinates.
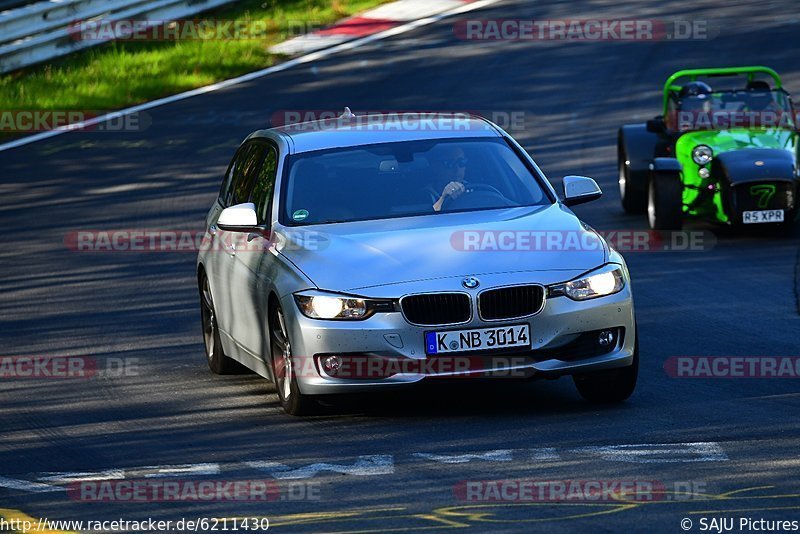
(405, 10)
(659, 453)
(545, 454)
(500, 455)
(394, 13)
(176, 470)
(308, 58)
(68, 477)
(153, 471)
(372, 465)
(379, 464)
(25, 485)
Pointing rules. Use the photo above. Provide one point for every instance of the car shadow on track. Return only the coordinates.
(495, 398)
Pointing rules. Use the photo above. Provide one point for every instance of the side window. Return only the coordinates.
(225, 190)
(244, 176)
(265, 183)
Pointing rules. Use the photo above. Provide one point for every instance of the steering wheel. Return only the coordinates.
(478, 196)
(471, 187)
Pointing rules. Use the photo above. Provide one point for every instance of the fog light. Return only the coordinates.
(606, 338)
(703, 172)
(331, 364)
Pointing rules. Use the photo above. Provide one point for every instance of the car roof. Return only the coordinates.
(357, 130)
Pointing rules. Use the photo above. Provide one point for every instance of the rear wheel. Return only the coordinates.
(665, 202)
(611, 386)
(633, 200)
(292, 400)
(218, 361)
(786, 228)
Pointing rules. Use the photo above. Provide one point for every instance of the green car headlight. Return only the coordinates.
(319, 305)
(604, 281)
(702, 154)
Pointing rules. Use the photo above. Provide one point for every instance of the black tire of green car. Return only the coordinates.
(665, 201)
(633, 200)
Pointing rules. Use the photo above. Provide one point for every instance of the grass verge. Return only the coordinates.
(124, 73)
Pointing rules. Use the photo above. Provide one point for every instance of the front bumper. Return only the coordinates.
(560, 323)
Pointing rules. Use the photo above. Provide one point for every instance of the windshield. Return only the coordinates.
(404, 179)
(722, 110)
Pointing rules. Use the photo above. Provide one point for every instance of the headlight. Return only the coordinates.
(702, 154)
(319, 305)
(606, 280)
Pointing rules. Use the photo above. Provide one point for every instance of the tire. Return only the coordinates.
(606, 387)
(786, 229)
(218, 361)
(633, 200)
(665, 201)
(291, 399)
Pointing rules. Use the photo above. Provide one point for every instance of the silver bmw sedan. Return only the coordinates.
(371, 252)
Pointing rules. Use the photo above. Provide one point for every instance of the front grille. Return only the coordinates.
(747, 196)
(436, 308)
(510, 302)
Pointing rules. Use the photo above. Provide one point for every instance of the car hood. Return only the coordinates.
(736, 139)
(358, 255)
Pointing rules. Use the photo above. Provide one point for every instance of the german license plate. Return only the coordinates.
(762, 216)
(494, 338)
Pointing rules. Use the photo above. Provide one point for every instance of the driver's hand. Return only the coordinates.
(453, 190)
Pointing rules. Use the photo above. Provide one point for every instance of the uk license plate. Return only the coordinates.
(762, 216)
(494, 338)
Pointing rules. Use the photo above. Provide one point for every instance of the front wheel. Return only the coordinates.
(611, 386)
(292, 400)
(665, 202)
(633, 200)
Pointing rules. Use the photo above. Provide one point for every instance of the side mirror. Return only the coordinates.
(580, 189)
(656, 126)
(239, 218)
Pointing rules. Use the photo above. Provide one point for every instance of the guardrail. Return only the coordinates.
(43, 30)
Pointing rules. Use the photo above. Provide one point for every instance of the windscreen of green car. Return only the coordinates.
(723, 110)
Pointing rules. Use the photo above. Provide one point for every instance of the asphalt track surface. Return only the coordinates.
(736, 299)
